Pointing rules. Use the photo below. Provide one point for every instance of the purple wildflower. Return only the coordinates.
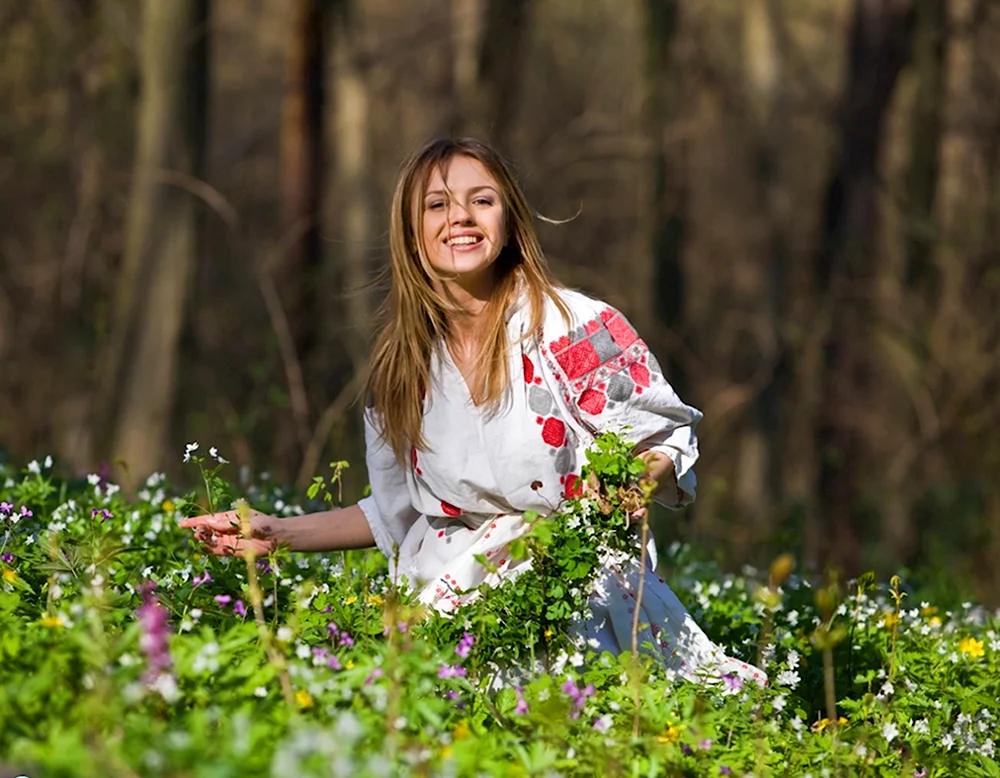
(465, 645)
(686, 749)
(334, 663)
(522, 706)
(705, 744)
(223, 599)
(578, 695)
(153, 642)
(733, 682)
(7, 558)
(725, 770)
(346, 641)
(104, 513)
(198, 580)
(452, 671)
(6, 508)
(376, 673)
(240, 609)
(921, 773)
(25, 513)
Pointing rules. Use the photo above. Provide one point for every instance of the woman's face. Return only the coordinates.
(463, 222)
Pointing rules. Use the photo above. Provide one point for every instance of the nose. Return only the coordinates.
(459, 214)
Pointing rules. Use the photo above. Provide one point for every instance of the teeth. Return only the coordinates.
(463, 240)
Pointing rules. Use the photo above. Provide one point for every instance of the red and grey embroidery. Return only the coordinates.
(561, 438)
(602, 363)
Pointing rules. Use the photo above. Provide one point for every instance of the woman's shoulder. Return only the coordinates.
(585, 311)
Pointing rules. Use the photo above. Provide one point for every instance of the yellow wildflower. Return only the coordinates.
(303, 698)
(670, 735)
(53, 622)
(350, 600)
(167, 505)
(891, 619)
(9, 575)
(549, 632)
(446, 752)
(971, 646)
(928, 610)
(819, 726)
(462, 731)
(935, 621)
(375, 599)
(841, 722)
(349, 664)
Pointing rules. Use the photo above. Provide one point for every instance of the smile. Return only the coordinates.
(465, 240)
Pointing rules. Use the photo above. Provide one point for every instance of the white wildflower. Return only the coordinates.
(603, 723)
(189, 449)
(788, 678)
(889, 731)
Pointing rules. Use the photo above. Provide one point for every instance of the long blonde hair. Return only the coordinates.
(415, 317)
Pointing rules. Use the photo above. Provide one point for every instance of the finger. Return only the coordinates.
(217, 522)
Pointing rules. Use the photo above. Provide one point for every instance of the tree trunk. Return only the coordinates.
(490, 38)
(353, 179)
(921, 276)
(161, 232)
(847, 272)
(661, 308)
(301, 171)
(756, 476)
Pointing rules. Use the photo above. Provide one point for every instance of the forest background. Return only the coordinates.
(797, 202)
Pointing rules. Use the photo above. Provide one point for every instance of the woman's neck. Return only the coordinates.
(469, 304)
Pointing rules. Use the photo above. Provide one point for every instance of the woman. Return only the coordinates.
(488, 383)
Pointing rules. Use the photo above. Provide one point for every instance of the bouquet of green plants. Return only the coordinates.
(532, 614)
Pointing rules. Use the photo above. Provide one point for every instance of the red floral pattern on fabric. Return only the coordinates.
(579, 359)
(413, 461)
(639, 373)
(574, 486)
(529, 369)
(592, 401)
(449, 509)
(554, 432)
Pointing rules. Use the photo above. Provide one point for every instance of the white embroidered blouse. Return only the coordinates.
(467, 493)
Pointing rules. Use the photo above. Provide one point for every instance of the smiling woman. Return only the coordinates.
(489, 381)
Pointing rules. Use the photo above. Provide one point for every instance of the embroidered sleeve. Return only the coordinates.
(611, 381)
(389, 509)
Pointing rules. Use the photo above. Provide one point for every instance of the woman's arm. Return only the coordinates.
(335, 530)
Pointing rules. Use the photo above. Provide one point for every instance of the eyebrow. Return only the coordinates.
(472, 191)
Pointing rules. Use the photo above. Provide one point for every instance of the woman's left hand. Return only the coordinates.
(659, 468)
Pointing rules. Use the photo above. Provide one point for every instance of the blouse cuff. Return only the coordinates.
(383, 540)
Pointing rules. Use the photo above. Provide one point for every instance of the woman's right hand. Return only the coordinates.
(220, 533)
